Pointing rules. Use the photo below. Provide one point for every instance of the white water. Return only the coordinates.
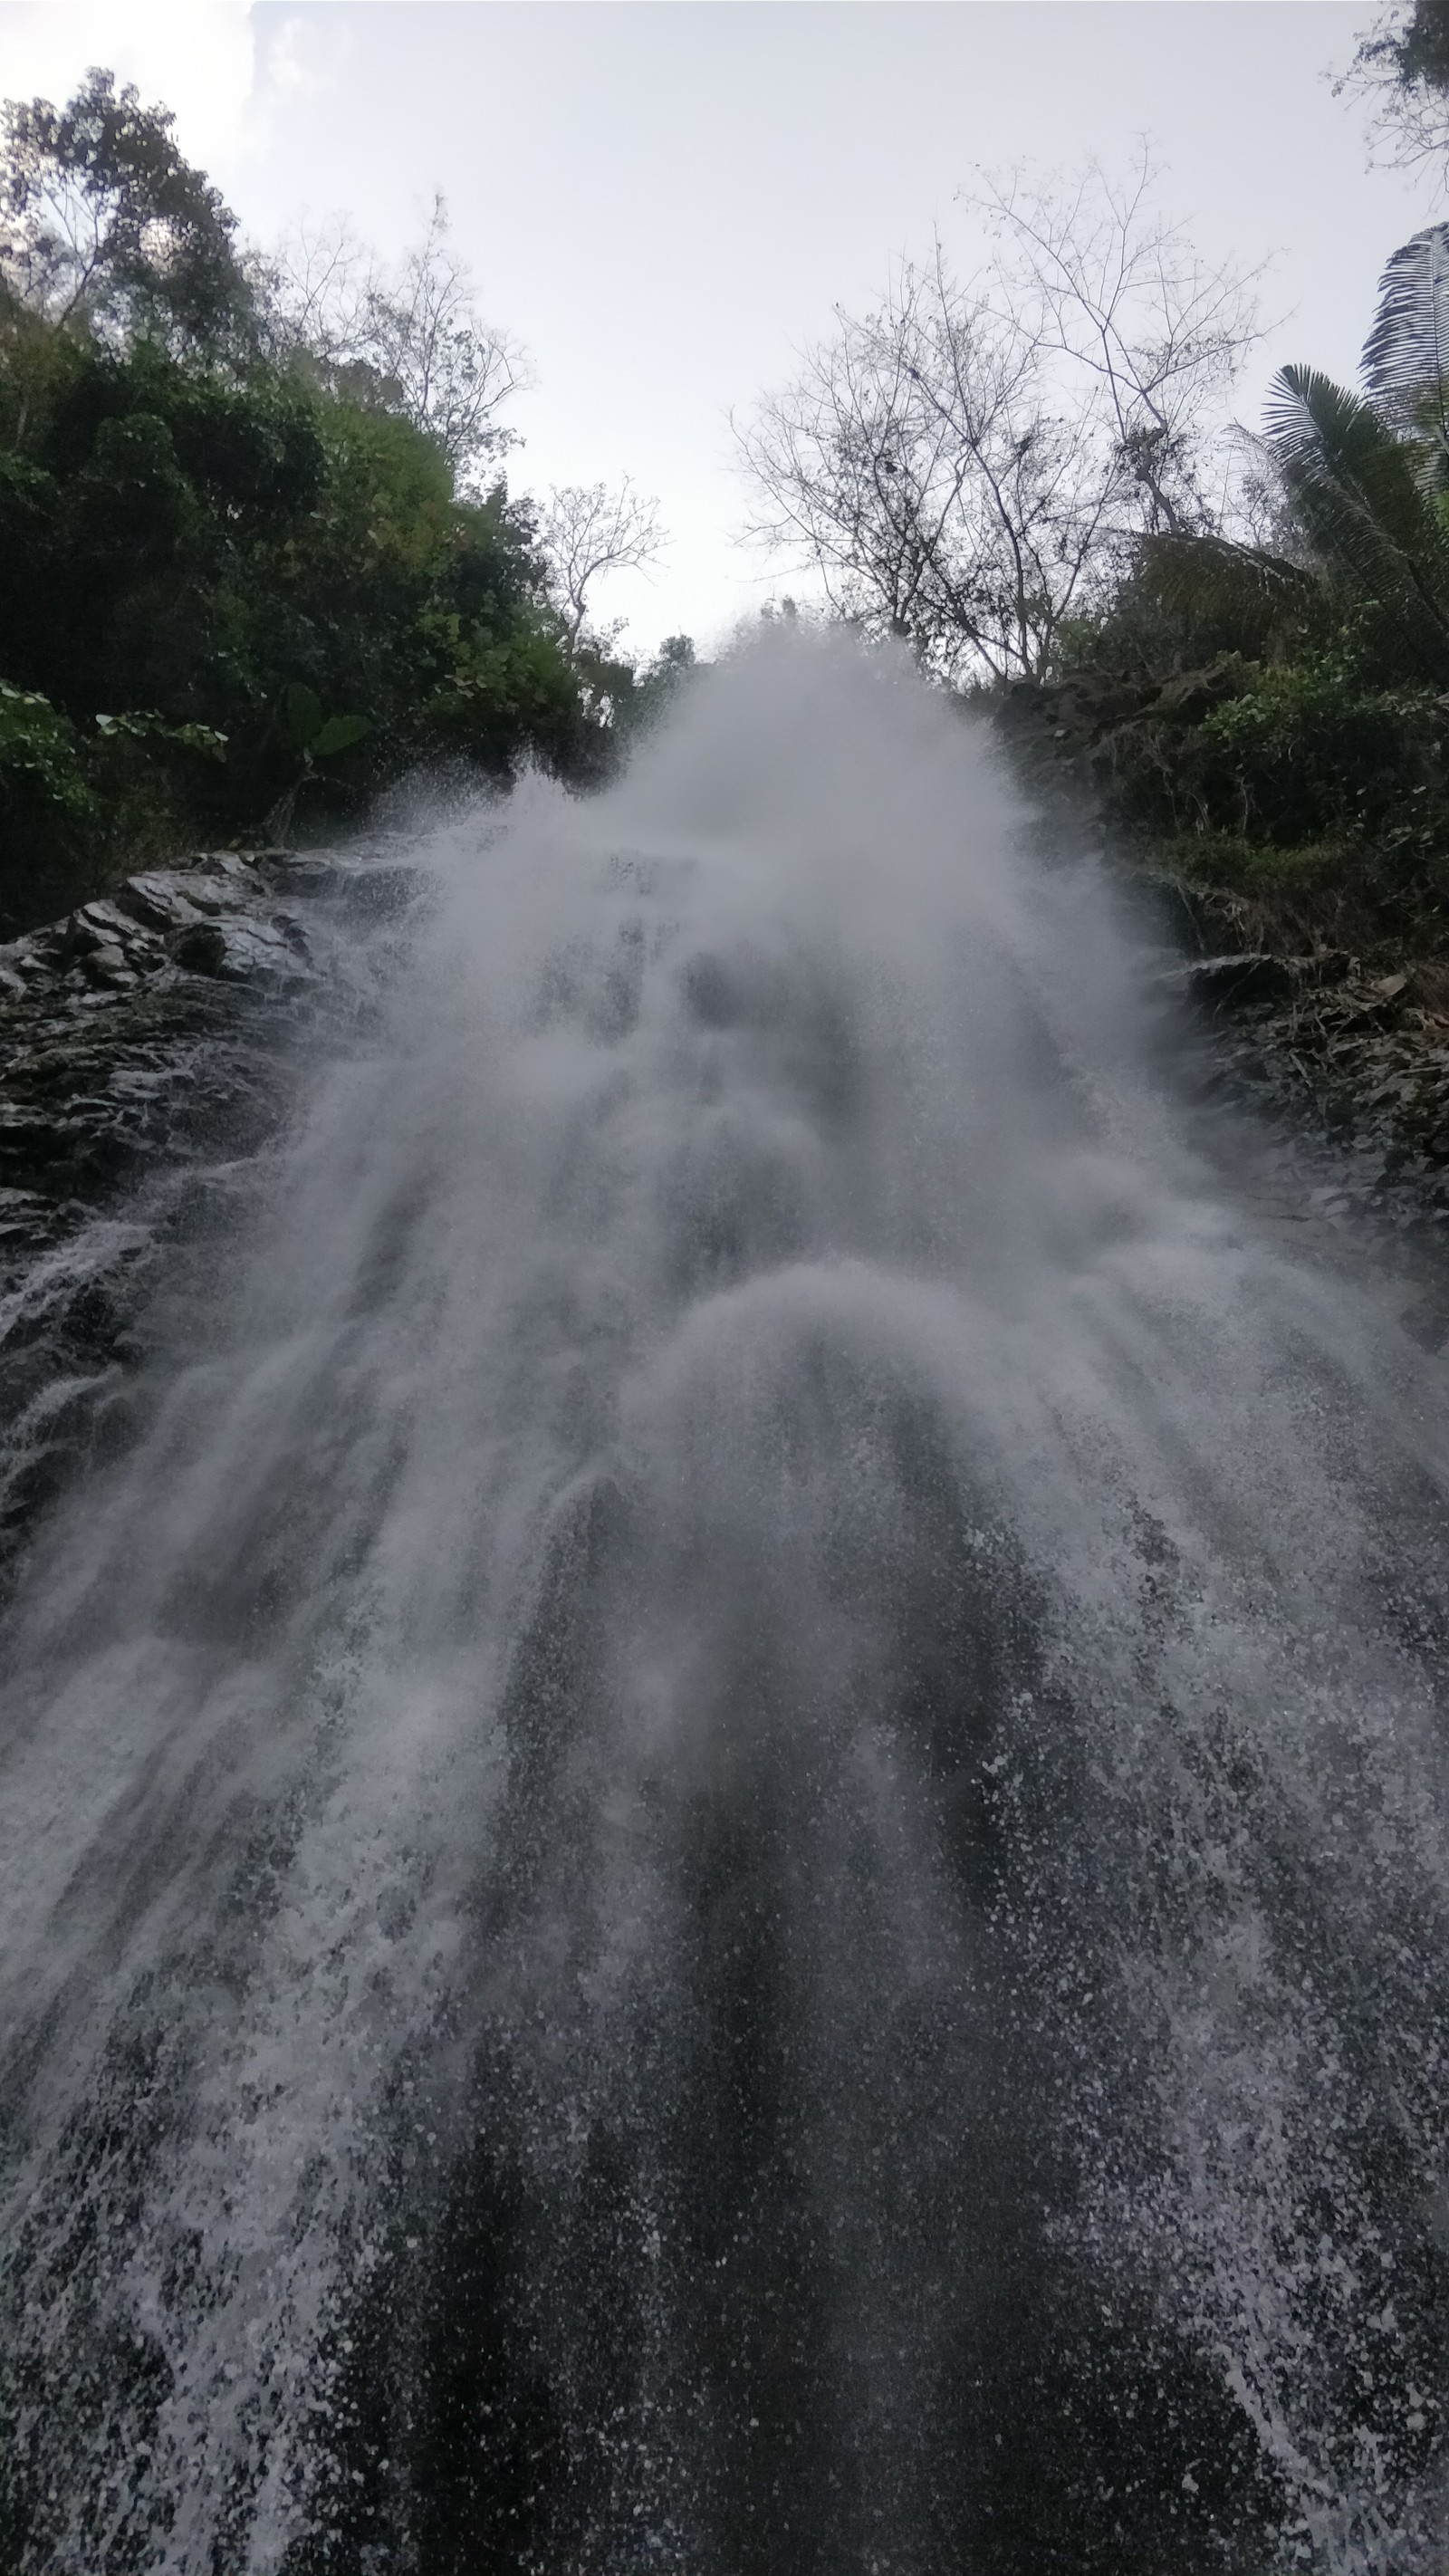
(730, 1854)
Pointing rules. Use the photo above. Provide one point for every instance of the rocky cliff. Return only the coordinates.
(151, 1045)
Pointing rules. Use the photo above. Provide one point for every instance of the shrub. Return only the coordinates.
(48, 811)
(1314, 748)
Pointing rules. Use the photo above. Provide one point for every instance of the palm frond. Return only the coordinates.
(1337, 454)
(1406, 355)
(1360, 504)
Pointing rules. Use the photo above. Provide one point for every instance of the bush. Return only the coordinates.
(1313, 749)
(49, 816)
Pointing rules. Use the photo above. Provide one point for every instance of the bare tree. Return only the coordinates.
(452, 369)
(409, 338)
(588, 529)
(314, 285)
(1400, 69)
(1129, 307)
(916, 466)
(964, 466)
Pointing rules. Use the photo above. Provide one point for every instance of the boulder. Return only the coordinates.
(238, 951)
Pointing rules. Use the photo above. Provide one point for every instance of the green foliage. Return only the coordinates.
(101, 219)
(1358, 493)
(299, 715)
(1315, 748)
(242, 567)
(339, 733)
(409, 340)
(76, 799)
(1402, 66)
(38, 753)
(1362, 482)
(1277, 717)
(1414, 45)
(232, 584)
(645, 696)
(1406, 355)
(148, 727)
(1273, 753)
(49, 815)
(1230, 598)
(1189, 601)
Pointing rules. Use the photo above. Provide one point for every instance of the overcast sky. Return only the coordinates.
(664, 198)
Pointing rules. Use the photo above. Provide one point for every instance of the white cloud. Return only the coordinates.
(303, 57)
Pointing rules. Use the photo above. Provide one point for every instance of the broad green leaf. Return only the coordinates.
(338, 734)
(299, 717)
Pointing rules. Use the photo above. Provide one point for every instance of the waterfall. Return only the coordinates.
(726, 1854)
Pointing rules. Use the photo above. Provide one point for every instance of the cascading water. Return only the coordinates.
(728, 1854)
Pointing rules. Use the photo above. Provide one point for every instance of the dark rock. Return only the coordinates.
(106, 965)
(236, 951)
(152, 901)
(150, 1048)
(1227, 983)
(305, 872)
(1325, 967)
(379, 894)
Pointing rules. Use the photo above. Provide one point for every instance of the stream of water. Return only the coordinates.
(728, 1854)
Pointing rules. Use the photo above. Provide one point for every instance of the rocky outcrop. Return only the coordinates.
(1356, 1057)
(150, 1046)
(1321, 1006)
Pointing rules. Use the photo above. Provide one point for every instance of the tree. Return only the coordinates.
(312, 289)
(965, 466)
(218, 586)
(1402, 68)
(588, 529)
(1406, 355)
(236, 564)
(1362, 540)
(1127, 305)
(409, 339)
(103, 222)
(914, 465)
(1366, 475)
(675, 667)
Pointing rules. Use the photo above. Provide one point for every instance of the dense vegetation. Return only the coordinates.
(258, 555)
(1272, 719)
(1265, 709)
(1239, 642)
(245, 571)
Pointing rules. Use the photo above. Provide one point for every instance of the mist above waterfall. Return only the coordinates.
(728, 1853)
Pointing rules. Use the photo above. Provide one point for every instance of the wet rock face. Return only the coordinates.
(1357, 1058)
(150, 1046)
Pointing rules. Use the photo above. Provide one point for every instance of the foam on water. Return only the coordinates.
(729, 1855)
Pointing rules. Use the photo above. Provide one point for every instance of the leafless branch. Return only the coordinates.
(588, 529)
(409, 338)
(964, 465)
